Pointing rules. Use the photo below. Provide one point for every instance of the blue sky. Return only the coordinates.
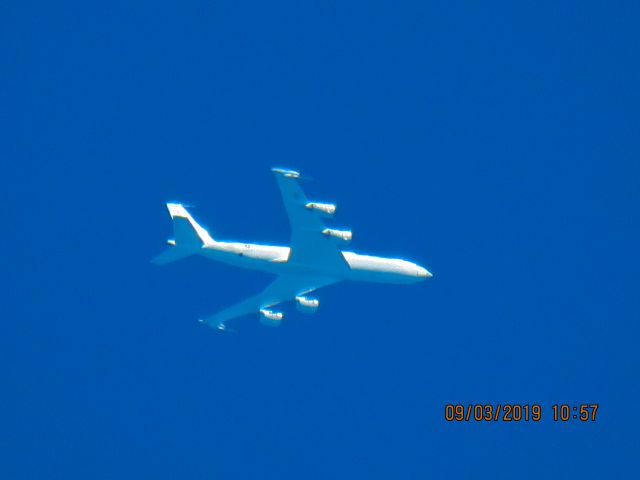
(496, 144)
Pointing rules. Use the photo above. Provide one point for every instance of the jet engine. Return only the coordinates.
(270, 318)
(344, 235)
(307, 305)
(325, 209)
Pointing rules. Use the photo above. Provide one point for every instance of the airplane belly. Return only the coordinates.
(376, 276)
(245, 261)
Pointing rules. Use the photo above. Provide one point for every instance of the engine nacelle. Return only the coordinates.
(326, 209)
(270, 318)
(307, 305)
(344, 235)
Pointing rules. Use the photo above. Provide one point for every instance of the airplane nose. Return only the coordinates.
(423, 273)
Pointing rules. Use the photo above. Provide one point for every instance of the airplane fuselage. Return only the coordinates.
(275, 259)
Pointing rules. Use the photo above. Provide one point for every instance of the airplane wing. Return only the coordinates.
(309, 246)
(284, 288)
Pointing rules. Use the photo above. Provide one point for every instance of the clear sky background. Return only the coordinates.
(494, 143)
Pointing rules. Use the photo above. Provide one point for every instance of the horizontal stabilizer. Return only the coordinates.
(171, 255)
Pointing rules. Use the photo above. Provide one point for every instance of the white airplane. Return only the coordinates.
(313, 260)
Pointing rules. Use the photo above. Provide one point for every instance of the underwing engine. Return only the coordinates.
(325, 209)
(270, 318)
(344, 235)
(306, 304)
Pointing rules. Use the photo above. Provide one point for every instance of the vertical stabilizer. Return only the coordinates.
(188, 236)
(186, 231)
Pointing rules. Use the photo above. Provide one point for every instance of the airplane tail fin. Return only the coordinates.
(188, 236)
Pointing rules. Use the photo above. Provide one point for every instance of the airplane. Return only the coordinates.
(313, 260)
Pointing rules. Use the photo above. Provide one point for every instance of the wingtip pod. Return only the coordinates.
(222, 328)
(286, 173)
(217, 326)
